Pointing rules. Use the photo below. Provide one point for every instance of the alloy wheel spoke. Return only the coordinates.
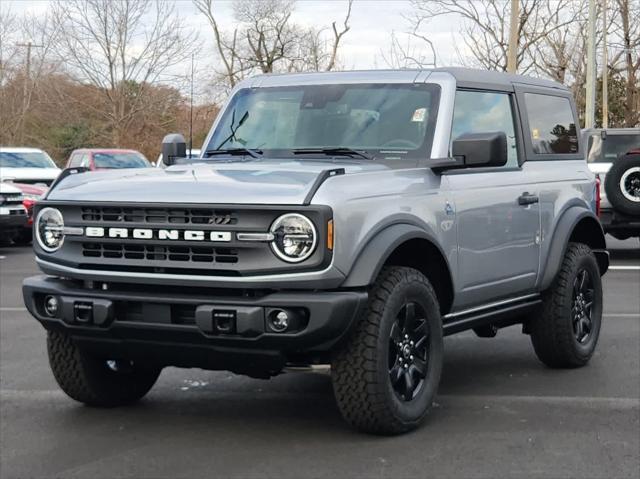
(395, 333)
(409, 385)
(420, 367)
(396, 373)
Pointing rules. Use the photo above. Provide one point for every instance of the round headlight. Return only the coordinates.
(50, 229)
(294, 237)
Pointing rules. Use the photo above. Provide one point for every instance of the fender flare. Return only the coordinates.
(560, 240)
(375, 253)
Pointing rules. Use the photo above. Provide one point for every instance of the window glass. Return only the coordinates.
(119, 160)
(75, 160)
(551, 124)
(483, 112)
(609, 148)
(389, 121)
(25, 160)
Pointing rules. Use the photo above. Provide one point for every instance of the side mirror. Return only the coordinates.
(173, 146)
(480, 149)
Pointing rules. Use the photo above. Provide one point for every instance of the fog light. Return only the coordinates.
(279, 321)
(51, 305)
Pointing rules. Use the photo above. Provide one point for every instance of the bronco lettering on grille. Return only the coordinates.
(157, 234)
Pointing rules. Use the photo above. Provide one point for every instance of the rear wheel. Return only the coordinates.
(565, 332)
(96, 381)
(386, 376)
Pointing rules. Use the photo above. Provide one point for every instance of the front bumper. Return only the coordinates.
(12, 221)
(180, 327)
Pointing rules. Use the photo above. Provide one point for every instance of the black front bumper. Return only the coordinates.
(619, 224)
(182, 327)
(10, 224)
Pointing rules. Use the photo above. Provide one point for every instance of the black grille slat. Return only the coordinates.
(156, 216)
(196, 254)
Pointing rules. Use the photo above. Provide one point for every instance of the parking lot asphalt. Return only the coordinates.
(499, 412)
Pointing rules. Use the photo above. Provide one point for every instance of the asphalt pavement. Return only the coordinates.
(499, 412)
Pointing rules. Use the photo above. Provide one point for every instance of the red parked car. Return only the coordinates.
(31, 193)
(103, 159)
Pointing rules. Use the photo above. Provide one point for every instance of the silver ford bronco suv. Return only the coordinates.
(351, 219)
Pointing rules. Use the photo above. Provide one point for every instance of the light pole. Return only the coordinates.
(512, 54)
(605, 68)
(589, 117)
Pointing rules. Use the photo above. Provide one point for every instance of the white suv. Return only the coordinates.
(27, 165)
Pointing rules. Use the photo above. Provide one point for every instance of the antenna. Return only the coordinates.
(191, 110)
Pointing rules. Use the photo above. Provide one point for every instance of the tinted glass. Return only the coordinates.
(551, 124)
(389, 121)
(119, 160)
(25, 160)
(608, 149)
(483, 112)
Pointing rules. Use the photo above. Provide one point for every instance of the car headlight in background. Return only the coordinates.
(294, 237)
(50, 229)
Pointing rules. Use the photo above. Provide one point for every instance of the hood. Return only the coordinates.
(17, 174)
(8, 188)
(272, 182)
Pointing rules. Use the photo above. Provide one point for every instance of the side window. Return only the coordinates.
(478, 112)
(75, 160)
(551, 124)
(85, 160)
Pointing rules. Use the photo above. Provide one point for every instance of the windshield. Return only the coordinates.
(120, 160)
(388, 121)
(608, 149)
(26, 160)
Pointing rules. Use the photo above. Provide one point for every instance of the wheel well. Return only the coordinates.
(424, 256)
(589, 232)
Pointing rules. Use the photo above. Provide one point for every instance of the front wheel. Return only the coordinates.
(96, 381)
(386, 376)
(565, 332)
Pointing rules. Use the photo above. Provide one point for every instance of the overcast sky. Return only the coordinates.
(372, 24)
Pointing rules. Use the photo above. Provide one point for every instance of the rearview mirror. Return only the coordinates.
(173, 146)
(480, 149)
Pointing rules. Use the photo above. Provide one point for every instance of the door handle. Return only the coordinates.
(526, 199)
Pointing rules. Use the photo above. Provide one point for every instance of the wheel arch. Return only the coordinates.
(404, 245)
(577, 225)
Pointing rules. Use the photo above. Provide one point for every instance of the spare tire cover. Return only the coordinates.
(622, 184)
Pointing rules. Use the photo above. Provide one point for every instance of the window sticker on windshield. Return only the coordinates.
(535, 134)
(419, 115)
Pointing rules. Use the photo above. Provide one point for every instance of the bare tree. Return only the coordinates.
(120, 47)
(265, 39)
(485, 28)
(403, 53)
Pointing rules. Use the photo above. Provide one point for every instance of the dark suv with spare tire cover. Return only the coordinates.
(614, 155)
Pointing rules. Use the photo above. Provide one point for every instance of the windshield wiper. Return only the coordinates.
(235, 151)
(336, 151)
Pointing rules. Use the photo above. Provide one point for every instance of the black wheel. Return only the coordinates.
(565, 333)
(386, 376)
(622, 184)
(95, 381)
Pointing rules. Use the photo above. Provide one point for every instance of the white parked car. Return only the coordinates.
(27, 165)
(13, 214)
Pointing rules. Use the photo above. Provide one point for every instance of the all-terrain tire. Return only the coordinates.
(554, 329)
(625, 197)
(94, 381)
(360, 369)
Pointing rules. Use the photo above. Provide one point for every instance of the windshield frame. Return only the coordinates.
(47, 159)
(391, 155)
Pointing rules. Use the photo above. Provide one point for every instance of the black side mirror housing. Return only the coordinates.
(173, 146)
(481, 149)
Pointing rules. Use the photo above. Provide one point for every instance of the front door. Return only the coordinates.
(497, 209)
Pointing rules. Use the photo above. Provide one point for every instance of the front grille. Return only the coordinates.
(35, 181)
(195, 216)
(11, 200)
(197, 254)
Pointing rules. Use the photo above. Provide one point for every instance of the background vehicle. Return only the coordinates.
(614, 155)
(351, 219)
(13, 215)
(106, 159)
(193, 153)
(27, 165)
(31, 194)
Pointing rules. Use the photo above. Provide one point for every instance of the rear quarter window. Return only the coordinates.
(552, 126)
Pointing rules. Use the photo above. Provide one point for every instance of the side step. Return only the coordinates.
(499, 314)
